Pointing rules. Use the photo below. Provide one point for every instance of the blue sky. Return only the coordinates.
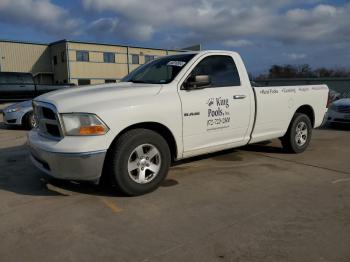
(265, 32)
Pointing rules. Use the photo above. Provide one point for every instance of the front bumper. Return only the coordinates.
(333, 116)
(85, 166)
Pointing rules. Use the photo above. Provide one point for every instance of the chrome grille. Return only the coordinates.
(343, 109)
(48, 120)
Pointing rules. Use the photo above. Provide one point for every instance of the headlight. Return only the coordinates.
(11, 110)
(83, 124)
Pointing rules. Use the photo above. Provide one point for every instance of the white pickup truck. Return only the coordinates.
(172, 108)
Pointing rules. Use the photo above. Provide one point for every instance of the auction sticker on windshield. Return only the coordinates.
(176, 63)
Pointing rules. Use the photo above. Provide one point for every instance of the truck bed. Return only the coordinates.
(276, 105)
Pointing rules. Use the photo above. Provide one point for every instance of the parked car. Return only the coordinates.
(172, 108)
(339, 111)
(333, 96)
(21, 86)
(20, 114)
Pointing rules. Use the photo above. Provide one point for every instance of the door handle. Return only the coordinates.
(238, 96)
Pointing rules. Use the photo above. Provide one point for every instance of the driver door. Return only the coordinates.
(216, 116)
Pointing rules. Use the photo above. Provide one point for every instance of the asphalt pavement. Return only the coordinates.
(254, 203)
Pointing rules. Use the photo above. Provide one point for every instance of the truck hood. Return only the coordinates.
(79, 99)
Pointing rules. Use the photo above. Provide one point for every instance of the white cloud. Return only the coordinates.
(104, 26)
(223, 20)
(117, 28)
(40, 14)
(268, 27)
(237, 43)
(322, 23)
(296, 56)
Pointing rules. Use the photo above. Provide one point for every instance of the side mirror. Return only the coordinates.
(197, 82)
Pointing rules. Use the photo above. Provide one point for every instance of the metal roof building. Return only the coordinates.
(74, 62)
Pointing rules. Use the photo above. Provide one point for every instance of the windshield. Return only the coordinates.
(159, 71)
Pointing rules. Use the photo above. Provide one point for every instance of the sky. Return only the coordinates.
(264, 32)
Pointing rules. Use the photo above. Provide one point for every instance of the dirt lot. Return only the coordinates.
(251, 204)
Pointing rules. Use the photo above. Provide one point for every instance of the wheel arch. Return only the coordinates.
(158, 128)
(307, 110)
(24, 117)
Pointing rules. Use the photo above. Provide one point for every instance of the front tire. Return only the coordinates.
(29, 121)
(298, 136)
(139, 161)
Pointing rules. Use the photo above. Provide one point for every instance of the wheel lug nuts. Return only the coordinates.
(141, 168)
(147, 158)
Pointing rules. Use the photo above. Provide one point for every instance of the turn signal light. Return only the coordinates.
(92, 130)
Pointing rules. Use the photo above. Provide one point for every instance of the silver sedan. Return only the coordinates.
(339, 111)
(20, 114)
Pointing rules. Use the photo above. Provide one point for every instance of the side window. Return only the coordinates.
(19, 78)
(54, 60)
(149, 58)
(63, 56)
(135, 59)
(82, 56)
(110, 81)
(108, 57)
(84, 82)
(28, 79)
(221, 69)
(13, 79)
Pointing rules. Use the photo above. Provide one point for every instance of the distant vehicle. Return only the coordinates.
(172, 108)
(21, 86)
(333, 96)
(339, 111)
(20, 114)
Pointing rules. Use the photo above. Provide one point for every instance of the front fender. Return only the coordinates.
(163, 109)
(22, 114)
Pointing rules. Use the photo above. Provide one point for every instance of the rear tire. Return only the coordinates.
(298, 136)
(139, 161)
